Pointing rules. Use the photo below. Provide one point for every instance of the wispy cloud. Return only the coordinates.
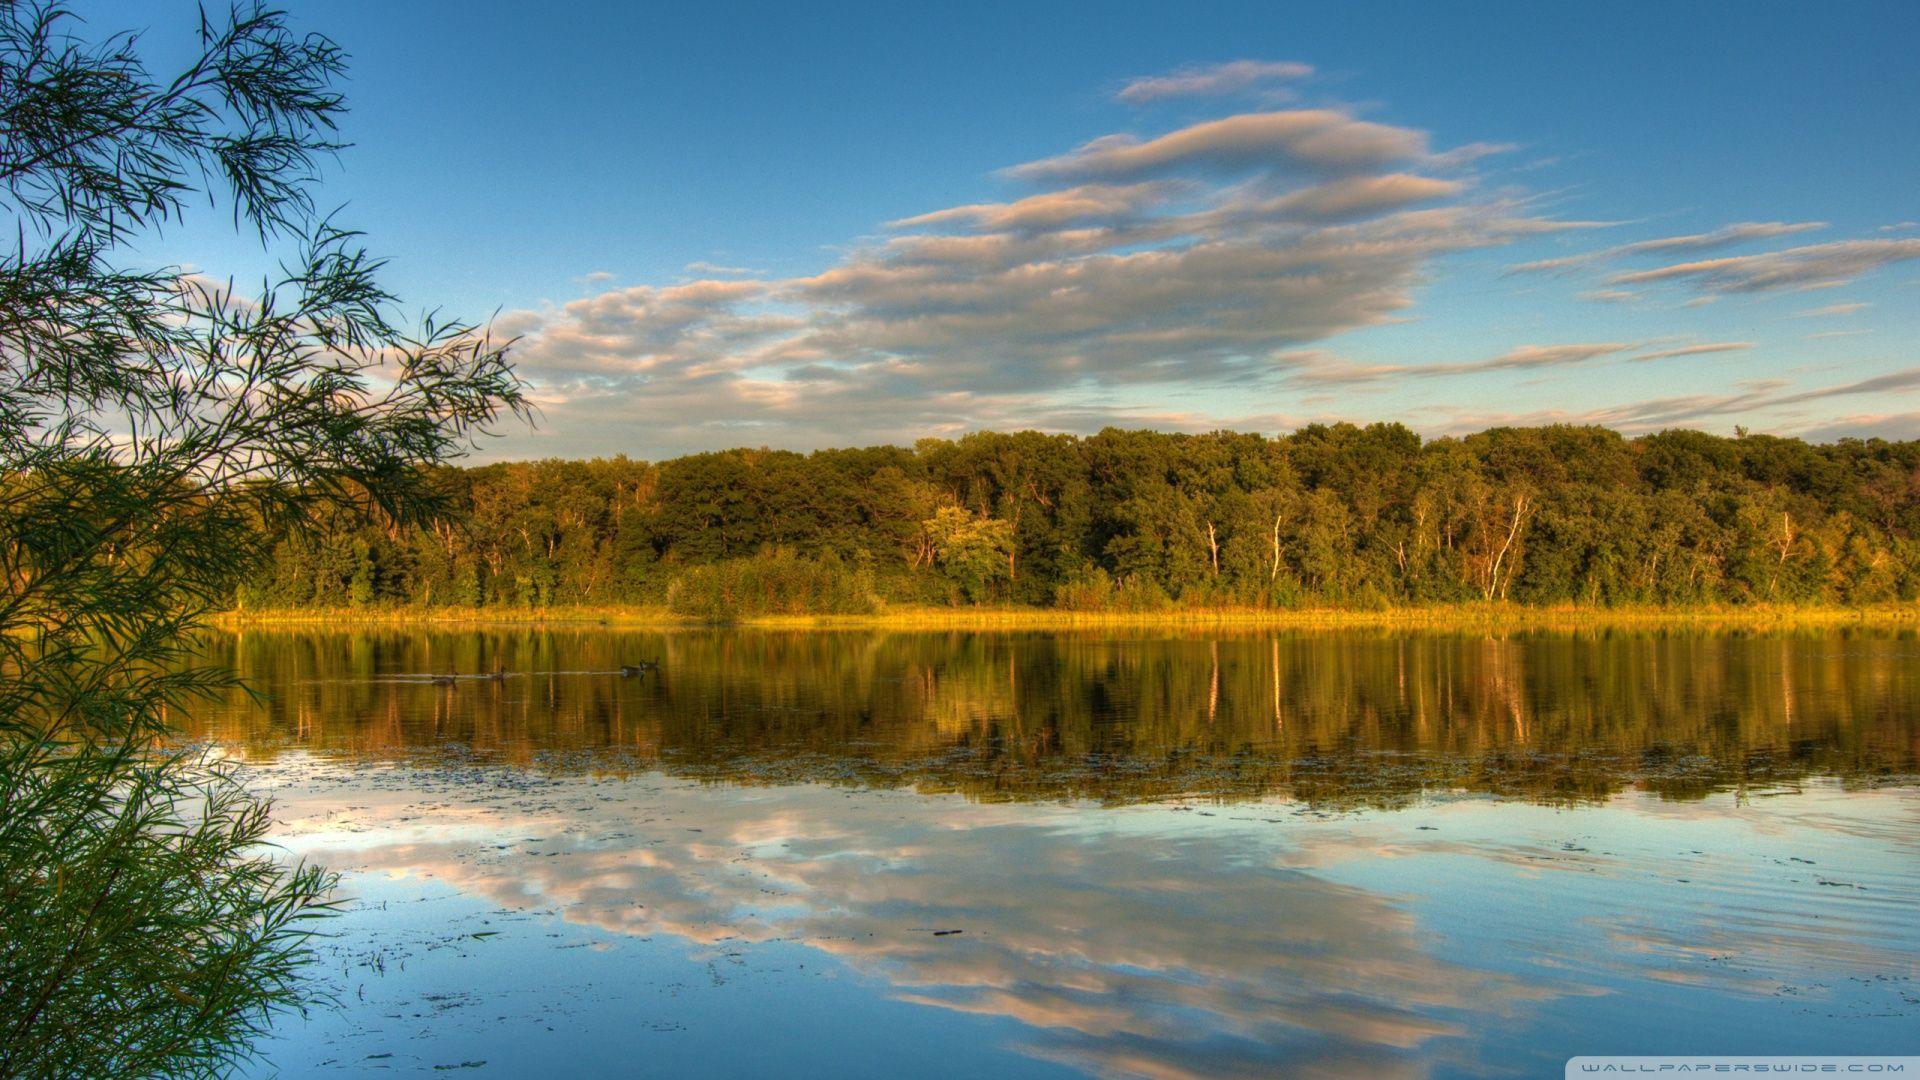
(1832, 309)
(1725, 236)
(1321, 368)
(1324, 369)
(707, 269)
(1086, 203)
(1612, 296)
(1892, 382)
(1461, 156)
(1812, 267)
(1695, 350)
(1190, 260)
(1234, 77)
(1137, 278)
(1351, 198)
(1318, 140)
(1757, 397)
(1722, 237)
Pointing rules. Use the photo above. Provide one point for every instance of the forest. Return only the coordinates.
(1327, 516)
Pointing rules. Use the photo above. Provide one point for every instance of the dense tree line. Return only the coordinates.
(1340, 514)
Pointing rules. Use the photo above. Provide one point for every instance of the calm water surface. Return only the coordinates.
(1116, 854)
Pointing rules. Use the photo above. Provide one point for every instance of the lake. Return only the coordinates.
(1111, 853)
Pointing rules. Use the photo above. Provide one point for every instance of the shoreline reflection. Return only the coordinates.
(1029, 854)
(1335, 719)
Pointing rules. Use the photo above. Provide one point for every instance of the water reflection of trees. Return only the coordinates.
(1349, 718)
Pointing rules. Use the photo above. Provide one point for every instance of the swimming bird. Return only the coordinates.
(628, 671)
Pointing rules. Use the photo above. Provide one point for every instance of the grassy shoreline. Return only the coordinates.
(1437, 617)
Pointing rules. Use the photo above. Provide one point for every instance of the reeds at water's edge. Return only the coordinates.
(1438, 617)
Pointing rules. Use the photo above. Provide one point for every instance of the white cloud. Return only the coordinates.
(699, 327)
(1049, 210)
(1135, 279)
(1323, 369)
(1612, 296)
(1461, 156)
(1309, 139)
(707, 269)
(1356, 197)
(1722, 237)
(1812, 267)
(1702, 349)
(1230, 78)
(1115, 280)
(1725, 236)
(1832, 309)
(1890, 383)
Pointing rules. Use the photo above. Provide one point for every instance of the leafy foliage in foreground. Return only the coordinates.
(1137, 520)
(153, 886)
(155, 429)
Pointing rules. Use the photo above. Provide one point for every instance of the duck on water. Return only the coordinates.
(627, 671)
(496, 675)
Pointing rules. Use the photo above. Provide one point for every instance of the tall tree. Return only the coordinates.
(158, 432)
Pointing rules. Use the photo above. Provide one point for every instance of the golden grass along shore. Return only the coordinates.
(1434, 617)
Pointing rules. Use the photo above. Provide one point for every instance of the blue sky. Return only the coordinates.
(807, 225)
